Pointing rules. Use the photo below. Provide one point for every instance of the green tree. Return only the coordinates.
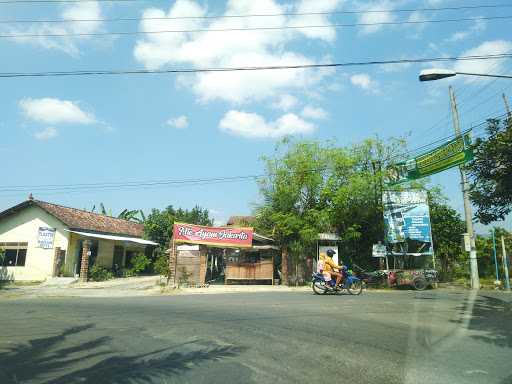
(311, 188)
(158, 224)
(136, 215)
(447, 230)
(491, 172)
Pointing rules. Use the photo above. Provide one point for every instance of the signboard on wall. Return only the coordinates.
(45, 237)
(455, 152)
(219, 236)
(407, 221)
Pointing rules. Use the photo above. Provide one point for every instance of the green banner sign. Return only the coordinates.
(455, 152)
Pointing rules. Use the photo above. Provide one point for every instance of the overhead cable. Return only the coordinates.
(255, 68)
(287, 14)
(105, 186)
(333, 25)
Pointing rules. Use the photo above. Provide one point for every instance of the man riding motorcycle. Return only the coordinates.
(331, 268)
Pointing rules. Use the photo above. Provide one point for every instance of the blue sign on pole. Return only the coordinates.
(407, 221)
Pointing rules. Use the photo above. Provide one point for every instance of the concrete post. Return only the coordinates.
(56, 264)
(505, 264)
(84, 266)
(173, 265)
(284, 265)
(473, 264)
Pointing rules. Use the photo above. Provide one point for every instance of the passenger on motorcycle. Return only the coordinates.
(331, 268)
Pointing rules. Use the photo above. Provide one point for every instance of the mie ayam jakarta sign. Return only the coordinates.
(455, 152)
(220, 236)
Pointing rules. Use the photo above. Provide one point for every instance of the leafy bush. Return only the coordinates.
(139, 263)
(184, 276)
(161, 265)
(99, 273)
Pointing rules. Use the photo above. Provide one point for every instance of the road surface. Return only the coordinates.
(271, 337)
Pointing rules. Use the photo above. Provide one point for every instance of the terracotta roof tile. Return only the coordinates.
(241, 220)
(80, 219)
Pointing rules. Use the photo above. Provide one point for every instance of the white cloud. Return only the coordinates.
(478, 26)
(318, 113)
(285, 102)
(252, 125)
(54, 111)
(365, 82)
(232, 49)
(397, 67)
(69, 45)
(317, 6)
(46, 134)
(493, 66)
(376, 17)
(179, 122)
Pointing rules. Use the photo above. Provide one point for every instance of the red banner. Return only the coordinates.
(221, 236)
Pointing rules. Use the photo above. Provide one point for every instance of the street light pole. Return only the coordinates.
(473, 265)
(441, 73)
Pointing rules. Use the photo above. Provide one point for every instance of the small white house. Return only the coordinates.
(42, 240)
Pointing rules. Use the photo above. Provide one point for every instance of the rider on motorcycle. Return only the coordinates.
(332, 268)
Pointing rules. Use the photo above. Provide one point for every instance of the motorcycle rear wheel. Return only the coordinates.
(355, 288)
(319, 288)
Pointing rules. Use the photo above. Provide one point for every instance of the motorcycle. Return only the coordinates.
(351, 283)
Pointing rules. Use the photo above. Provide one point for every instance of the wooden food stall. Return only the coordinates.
(229, 255)
(251, 266)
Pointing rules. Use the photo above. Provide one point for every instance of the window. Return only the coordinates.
(15, 254)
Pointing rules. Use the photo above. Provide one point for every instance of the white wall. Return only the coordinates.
(23, 226)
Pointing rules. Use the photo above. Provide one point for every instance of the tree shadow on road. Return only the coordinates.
(47, 360)
(490, 316)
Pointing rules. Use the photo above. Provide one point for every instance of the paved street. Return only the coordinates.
(268, 337)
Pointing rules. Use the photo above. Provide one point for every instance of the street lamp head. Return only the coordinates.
(436, 74)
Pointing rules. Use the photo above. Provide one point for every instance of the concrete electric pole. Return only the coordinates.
(505, 263)
(473, 265)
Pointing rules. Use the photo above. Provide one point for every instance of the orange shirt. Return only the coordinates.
(330, 265)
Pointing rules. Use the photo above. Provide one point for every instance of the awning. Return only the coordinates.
(135, 240)
(258, 237)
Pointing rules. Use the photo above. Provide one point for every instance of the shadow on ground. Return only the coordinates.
(47, 360)
(492, 317)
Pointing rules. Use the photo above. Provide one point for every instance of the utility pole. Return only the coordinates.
(505, 263)
(473, 265)
(507, 107)
(494, 254)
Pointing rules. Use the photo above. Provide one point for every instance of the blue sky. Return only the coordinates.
(68, 130)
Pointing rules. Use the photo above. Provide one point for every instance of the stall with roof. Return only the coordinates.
(231, 255)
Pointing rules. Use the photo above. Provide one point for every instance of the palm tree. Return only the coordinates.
(132, 215)
(136, 215)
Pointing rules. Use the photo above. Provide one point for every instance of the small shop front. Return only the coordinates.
(223, 255)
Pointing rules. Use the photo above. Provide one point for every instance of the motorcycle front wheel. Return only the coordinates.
(355, 288)
(319, 287)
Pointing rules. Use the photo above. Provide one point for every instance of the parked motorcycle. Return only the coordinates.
(351, 283)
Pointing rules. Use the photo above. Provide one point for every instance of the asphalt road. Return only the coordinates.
(287, 337)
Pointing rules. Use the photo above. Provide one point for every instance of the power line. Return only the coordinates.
(462, 101)
(331, 13)
(475, 128)
(131, 185)
(255, 68)
(334, 25)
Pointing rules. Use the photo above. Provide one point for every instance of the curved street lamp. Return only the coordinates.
(440, 73)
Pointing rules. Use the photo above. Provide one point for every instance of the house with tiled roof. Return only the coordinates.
(42, 240)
